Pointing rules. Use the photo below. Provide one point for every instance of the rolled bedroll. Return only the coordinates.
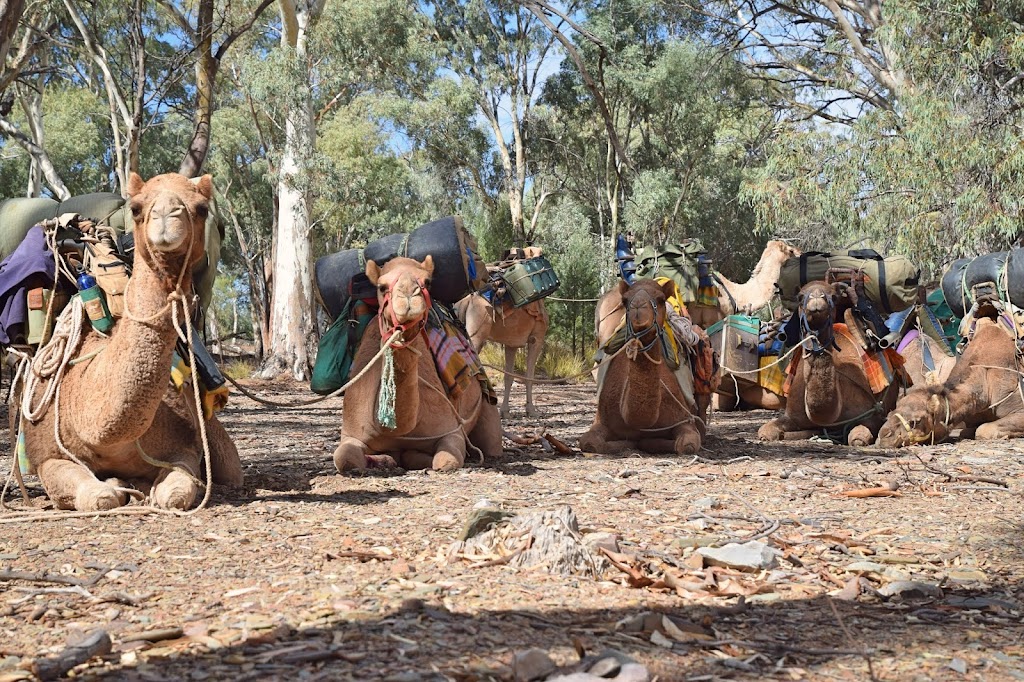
(1005, 269)
(458, 269)
(891, 283)
(18, 215)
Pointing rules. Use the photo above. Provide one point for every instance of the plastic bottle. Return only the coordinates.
(95, 303)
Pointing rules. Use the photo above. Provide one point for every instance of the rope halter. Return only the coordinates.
(811, 339)
(634, 346)
(387, 320)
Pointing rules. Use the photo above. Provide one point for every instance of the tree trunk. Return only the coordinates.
(292, 326)
(10, 15)
(40, 156)
(206, 73)
(32, 104)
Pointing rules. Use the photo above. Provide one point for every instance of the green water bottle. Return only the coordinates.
(95, 303)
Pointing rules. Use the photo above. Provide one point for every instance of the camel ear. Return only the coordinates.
(934, 404)
(373, 272)
(135, 184)
(204, 185)
(428, 265)
(623, 287)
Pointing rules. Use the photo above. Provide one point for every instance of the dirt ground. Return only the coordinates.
(306, 574)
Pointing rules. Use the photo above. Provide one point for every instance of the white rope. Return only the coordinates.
(52, 360)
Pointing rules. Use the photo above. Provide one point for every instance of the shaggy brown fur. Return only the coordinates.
(750, 296)
(640, 404)
(513, 328)
(427, 432)
(981, 392)
(123, 395)
(830, 388)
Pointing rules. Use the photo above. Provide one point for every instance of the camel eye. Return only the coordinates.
(427, 282)
(202, 210)
(382, 288)
(136, 209)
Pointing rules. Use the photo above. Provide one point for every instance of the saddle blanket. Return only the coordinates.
(882, 367)
(456, 361)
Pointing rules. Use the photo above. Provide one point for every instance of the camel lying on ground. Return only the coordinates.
(749, 297)
(982, 393)
(120, 400)
(640, 404)
(830, 389)
(430, 429)
(513, 328)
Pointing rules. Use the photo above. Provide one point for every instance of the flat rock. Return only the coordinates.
(750, 556)
(532, 664)
(595, 541)
(911, 589)
(865, 567)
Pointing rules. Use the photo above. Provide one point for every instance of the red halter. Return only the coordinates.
(386, 309)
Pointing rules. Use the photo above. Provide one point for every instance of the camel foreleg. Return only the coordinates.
(1010, 426)
(486, 434)
(224, 460)
(177, 486)
(533, 349)
(450, 453)
(510, 363)
(72, 486)
(600, 440)
(784, 428)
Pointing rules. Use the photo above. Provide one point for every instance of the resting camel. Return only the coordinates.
(120, 400)
(750, 296)
(430, 430)
(513, 328)
(640, 404)
(981, 392)
(830, 389)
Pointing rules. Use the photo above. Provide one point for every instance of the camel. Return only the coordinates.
(640, 403)
(830, 388)
(981, 392)
(119, 403)
(430, 429)
(513, 328)
(749, 297)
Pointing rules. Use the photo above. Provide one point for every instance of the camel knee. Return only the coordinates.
(177, 490)
(989, 431)
(860, 436)
(771, 431)
(98, 496)
(350, 455)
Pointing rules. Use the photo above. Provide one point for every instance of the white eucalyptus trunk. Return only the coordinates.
(291, 320)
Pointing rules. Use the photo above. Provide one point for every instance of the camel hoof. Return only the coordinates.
(446, 461)
(504, 413)
(100, 497)
(771, 431)
(350, 456)
(532, 411)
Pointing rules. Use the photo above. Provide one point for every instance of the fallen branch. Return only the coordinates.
(881, 491)
(558, 445)
(96, 643)
(358, 554)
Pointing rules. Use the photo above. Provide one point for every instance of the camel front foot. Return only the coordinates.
(351, 455)
(531, 410)
(860, 436)
(598, 440)
(72, 486)
(688, 441)
(175, 489)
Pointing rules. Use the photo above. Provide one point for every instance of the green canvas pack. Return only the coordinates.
(676, 261)
(337, 348)
(891, 282)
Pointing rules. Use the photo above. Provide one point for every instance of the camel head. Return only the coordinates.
(644, 302)
(921, 416)
(170, 213)
(817, 311)
(781, 250)
(402, 292)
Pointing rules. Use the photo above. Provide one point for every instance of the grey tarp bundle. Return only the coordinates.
(17, 216)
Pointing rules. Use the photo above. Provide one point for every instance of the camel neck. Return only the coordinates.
(134, 367)
(407, 385)
(642, 383)
(823, 402)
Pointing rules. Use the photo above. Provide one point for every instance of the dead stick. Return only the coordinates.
(153, 635)
(871, 492)
(96, 643)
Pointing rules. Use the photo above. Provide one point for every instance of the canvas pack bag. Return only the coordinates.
(676, 261)
(891, 283)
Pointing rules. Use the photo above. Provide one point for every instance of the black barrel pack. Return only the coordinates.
(458, 269)
(1003, 269)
